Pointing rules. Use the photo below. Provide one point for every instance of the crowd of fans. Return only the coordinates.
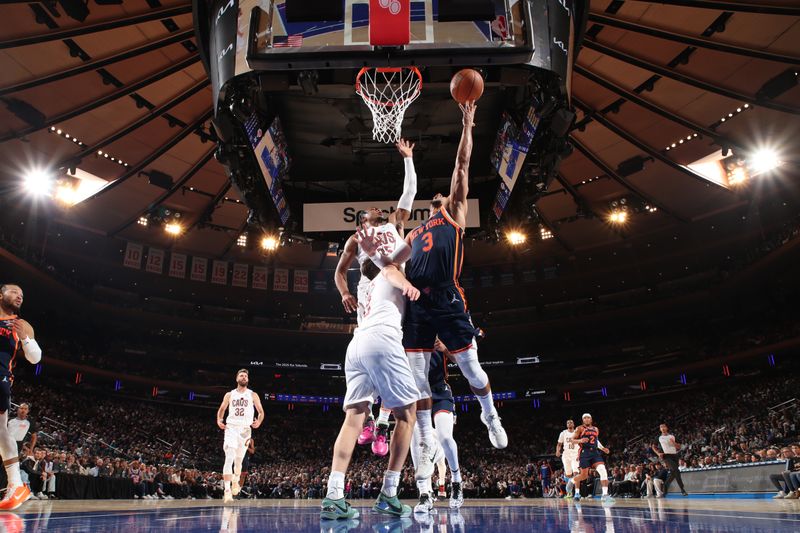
(170, 451)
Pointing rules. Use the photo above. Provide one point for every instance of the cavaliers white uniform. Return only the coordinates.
(388, 237)
(570, 451)
(376, 362)
(241, 413)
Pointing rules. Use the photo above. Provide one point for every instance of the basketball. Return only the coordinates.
(466, 85)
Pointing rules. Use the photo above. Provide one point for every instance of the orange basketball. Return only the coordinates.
(466, 85)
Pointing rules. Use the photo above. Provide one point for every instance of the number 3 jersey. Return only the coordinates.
(389, 238)
(437, 252)
(241, 411)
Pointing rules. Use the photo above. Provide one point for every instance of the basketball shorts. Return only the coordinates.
(570, 462)
(376, 365)
(440, 311)
(236, 437)
(442, 400)
(5, 394)
(590, 458)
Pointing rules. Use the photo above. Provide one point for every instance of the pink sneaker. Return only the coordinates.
(380, 447)
(367, 433)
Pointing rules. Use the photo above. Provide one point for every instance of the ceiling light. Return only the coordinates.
(618, 217)
(242, 240)
(516, 238)
(764, 160)
(269, 243)
(173, 228)
(38, 182)
(66, 194)
(143, 221)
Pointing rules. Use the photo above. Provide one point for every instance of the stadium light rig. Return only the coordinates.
(618, 216)
(516, 238)
(242, 240)
(270, 243)
(763, 160)
(37, 182)
(173, 228)
(143, 221)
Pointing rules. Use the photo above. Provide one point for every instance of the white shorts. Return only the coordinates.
(377, 365)
(236, 437)
(571, 463)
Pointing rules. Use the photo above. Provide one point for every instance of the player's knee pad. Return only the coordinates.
(601, 471)
(230, 456)
(420, 365)
(471, 367)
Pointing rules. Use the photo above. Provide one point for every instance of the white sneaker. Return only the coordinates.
(425, 505)
(791, 496)
(456, 495)
(780, 495)
(228, 498)
(428, 458)
(497, 435)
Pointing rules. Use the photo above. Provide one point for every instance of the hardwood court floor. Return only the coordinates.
(298, 516)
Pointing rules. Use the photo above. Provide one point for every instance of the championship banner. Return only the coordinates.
(301, 281)
(133, 256)
(260, 278)
(199, 269)
(177, 265)
(280, 281)
(219, 272)
(240, 272)
(155, 261)
(341, 216)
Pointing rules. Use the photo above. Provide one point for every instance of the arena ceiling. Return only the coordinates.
(123, 93)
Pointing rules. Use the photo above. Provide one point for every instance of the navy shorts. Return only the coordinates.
(443, 405)
(590, 458)
(5, 394)
(440, 311)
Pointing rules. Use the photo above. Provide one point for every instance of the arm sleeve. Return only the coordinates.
(33, 353)
(409, 185)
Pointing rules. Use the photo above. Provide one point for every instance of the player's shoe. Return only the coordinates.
(379, 445)
(429, 456)
(235, 488)
(608, 500)
(391, 506)
(16, 495)
(456, 496)
(367, 433)
(577, 496)
(779, 496)
(227, 497)
(337, 510)
(497, 435)
(425, 505)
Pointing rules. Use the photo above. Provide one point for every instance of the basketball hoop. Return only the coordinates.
(388, 92)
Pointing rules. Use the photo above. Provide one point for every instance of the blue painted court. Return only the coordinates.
(290, 516)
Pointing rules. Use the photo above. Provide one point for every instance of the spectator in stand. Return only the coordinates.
(788, 490)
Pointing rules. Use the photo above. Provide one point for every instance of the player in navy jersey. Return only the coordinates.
(437, 254)
(16, 335)
(589, 456)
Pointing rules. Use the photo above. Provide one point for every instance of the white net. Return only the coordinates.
(388, 92)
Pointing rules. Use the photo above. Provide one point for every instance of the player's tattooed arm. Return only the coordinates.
(259, 410)
(221, 411)
(399, 281)
(459, 184)
(349, 301)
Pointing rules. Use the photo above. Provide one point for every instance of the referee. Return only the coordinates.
(669, 454)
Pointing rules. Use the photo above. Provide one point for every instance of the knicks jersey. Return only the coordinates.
(384, 305)
(437, 252)
(591, 433)
(9, 344)
(388, 237)
(241, 411)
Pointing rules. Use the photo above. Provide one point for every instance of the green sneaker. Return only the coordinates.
(391, 506)
(337, 510)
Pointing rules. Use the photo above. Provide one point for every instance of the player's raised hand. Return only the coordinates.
(468, 112)
(365, 237)
(410, 291)
(349, 302)
(405, 148)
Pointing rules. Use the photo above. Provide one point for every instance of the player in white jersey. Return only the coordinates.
(568, 450)
(241, 404)
(376, 365)
(389, 230)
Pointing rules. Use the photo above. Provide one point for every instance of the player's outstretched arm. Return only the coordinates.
(601, 447)
(406, 201)
(340, 276)
(221, 411)
(459, 184)
(31, 349)
(399, 281)
(259, 410)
